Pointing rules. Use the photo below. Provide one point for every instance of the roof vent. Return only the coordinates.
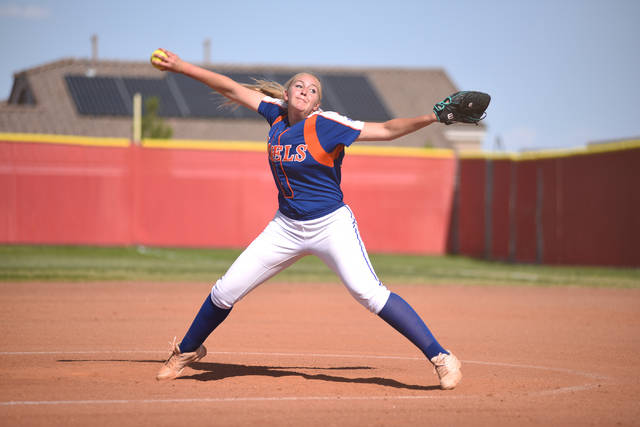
(207, 51)
(94, 49)
(91, 71)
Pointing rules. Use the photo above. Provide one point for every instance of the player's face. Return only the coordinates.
(303, 94)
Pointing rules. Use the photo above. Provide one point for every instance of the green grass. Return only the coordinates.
(82, 263)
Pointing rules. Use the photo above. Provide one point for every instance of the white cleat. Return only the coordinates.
(448, 370)
(177, 361)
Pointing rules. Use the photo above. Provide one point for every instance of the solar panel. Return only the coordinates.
(148, 88)
(201, 100)
(180, 96)
(355, 96)
(97, 96)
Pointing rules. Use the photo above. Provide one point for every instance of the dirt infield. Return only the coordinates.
(308, 354)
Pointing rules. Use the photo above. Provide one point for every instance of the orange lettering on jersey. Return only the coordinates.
(277, 153)
(301, 152)
(287, 156)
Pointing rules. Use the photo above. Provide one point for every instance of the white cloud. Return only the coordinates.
(28, 12)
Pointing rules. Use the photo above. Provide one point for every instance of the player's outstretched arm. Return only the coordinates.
(222, 84)
(394, 128)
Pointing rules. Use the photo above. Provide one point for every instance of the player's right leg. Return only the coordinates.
(342, 249)
(276, 248)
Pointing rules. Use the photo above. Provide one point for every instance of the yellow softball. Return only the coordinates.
(154, 61)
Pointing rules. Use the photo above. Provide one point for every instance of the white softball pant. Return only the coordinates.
(334, 238)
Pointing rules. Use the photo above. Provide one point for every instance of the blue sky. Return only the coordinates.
(561, 73)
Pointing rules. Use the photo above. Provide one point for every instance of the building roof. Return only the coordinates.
(92, 98)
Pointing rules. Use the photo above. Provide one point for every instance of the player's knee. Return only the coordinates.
(375, 299)
(220, 298)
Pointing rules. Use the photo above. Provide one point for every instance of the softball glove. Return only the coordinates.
(462, 107)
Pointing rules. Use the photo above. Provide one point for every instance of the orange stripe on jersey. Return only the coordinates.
(313, 144)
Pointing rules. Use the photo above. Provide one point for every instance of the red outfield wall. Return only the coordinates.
(566, 208)
(580, 207)
(106, 192)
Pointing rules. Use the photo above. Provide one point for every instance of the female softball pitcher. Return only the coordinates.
(305, 148)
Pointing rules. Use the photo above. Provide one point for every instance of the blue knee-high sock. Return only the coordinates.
(207, 319)
(399, 314)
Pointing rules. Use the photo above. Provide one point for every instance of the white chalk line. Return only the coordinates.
(234, 353)
(560, 390)
(223, 400)
(37, 353)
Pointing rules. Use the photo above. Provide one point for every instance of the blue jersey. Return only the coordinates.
(306, 159)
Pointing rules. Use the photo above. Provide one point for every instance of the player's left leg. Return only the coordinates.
(343, 251)
(399, 314)
(335, 239)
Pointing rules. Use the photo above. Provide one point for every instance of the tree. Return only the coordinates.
(153, 127)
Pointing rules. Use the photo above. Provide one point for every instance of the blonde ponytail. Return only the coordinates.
(272, 89)
(267, 87)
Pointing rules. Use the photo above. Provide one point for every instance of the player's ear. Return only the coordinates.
(285, 95)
